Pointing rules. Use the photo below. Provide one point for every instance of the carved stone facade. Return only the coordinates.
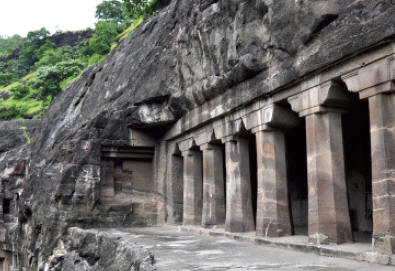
(236, 163)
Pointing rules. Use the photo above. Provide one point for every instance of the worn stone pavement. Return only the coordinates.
(175, 250)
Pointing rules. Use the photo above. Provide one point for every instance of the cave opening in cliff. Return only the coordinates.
(357, 152)
(127, 185)
(295, 141)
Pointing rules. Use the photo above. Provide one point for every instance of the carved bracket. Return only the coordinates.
(375, 78)
(330, 96)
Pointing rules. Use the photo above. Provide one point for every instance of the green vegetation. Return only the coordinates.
(33, 70)
(25, 133)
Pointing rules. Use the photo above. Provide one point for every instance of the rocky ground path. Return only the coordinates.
(180, 251)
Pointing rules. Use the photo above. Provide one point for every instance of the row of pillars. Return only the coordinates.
(328, 213)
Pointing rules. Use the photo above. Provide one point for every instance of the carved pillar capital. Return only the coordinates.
(229, 138)
(330, 96)
(205, 137)
(209, 146)
(272, 117)
(186, 145)
(375, 78)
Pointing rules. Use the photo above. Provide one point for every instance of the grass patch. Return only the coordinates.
(130, 29)
(26, 134)
(9, 87)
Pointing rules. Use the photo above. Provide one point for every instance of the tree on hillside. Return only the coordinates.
(111, 11)
(49, 77)
(9, 44)
(133, 9)
(105, 34)
(29, 53)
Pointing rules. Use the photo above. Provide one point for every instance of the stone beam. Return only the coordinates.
(328, 207)
(239, 213)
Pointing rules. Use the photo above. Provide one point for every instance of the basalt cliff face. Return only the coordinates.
(187, 54)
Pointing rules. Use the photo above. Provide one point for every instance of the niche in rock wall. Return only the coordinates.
(126, 174)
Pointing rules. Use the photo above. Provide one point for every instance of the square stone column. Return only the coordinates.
(175, 189)
(382, 136)
(273, 217)
(213, 185)
(239, 213)
(193, 187)
(328, 211)
(376, 82)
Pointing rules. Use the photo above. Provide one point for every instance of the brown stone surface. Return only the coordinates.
(328, 208)
(213, 185)
(382, 133)
(273, 218)
(174, 190)
(239, 213)
(193, 187)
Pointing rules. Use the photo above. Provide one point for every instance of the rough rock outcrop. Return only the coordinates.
(90, 250)
(188, 53)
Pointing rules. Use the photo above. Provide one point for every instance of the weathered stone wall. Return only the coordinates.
(15, 153)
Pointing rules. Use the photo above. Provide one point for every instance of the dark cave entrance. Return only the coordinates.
(357, 152)
(253, 170)
(253, 174)
(295, 142)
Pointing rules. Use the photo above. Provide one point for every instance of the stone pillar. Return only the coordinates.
(382, 135)
(193, 187)
(239, 213)
(213, 185)
(273, 217)
(328, 207)
(376, 82)
(175, 189)
(328, 212)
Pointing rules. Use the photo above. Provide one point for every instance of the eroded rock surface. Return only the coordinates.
(92, 250)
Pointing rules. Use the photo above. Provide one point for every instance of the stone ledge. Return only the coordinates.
(351, 251)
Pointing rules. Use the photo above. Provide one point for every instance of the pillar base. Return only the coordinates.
(274, 230)
(383, 243)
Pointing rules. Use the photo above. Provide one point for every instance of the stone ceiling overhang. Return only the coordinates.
(234, 105)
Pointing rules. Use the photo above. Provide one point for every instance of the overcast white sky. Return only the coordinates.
(22, 16)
